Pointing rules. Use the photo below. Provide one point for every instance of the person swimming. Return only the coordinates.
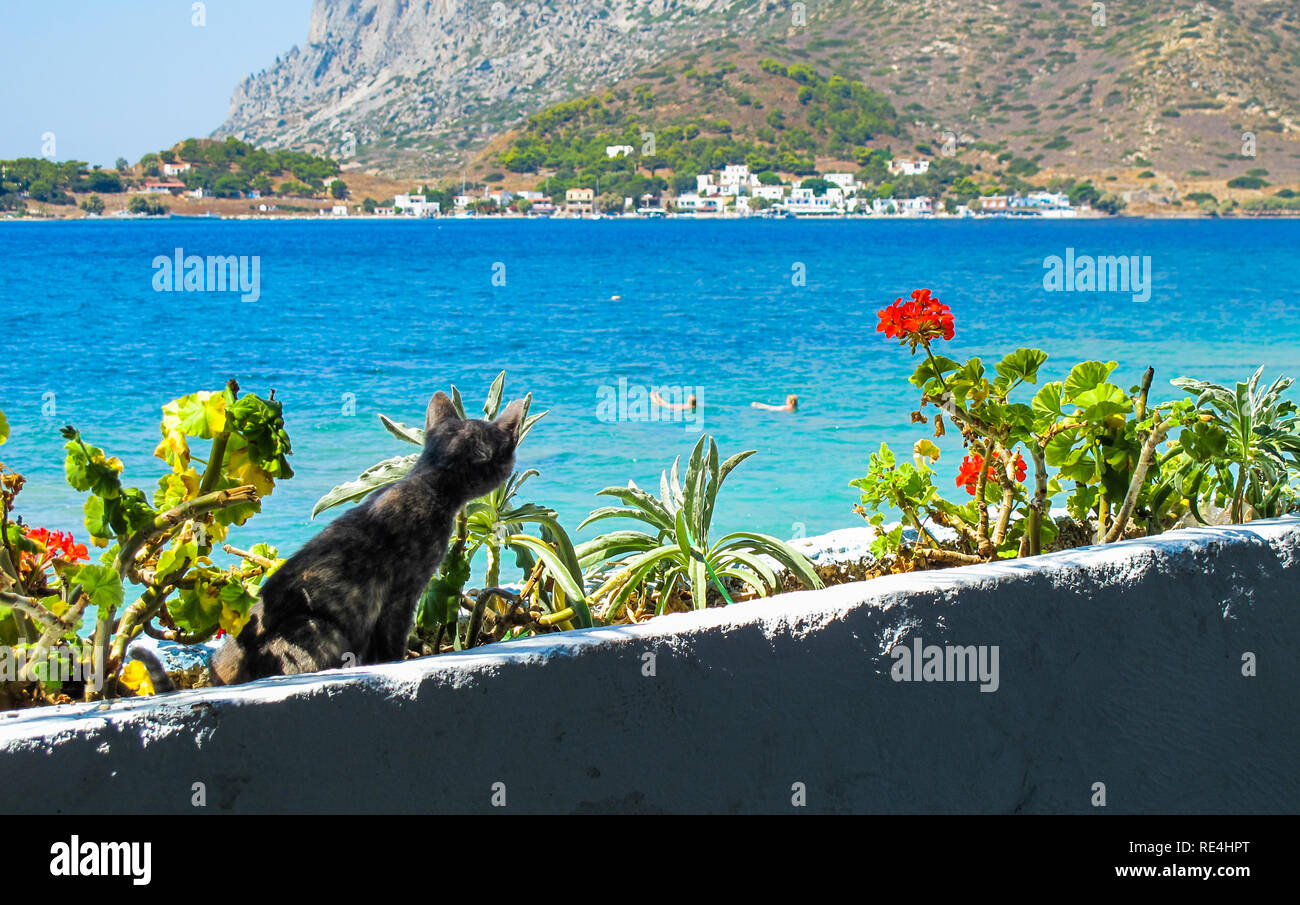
(688, 406)
(791, 405)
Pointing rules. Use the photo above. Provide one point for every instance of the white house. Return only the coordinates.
(770, 192)
(737, 174)
(704, 185)
(531, 196)
(175, 169)
(612, 151)
(884, 206)
(694, 203)
(846, 181)
(416, 206)
(918, 206)
(1042, 199)
(339, 210)
(908, 167)
(803, 201)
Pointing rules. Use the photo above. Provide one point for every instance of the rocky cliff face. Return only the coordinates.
(408, 85)
(417, 87)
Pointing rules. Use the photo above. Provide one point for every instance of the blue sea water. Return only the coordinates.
(386, 313)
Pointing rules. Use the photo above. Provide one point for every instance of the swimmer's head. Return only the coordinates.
(792, 400)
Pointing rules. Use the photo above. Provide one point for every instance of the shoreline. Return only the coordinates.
(636, 217)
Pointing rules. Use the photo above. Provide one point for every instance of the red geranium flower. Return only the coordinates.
(969, 473)
(1021, 468)
(916, 322)
(55, 545)
(971, 466)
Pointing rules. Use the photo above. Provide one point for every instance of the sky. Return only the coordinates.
(120, 78)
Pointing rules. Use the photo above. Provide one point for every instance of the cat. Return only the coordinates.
(348, 597)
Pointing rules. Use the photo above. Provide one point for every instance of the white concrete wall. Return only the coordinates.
(1119, 665)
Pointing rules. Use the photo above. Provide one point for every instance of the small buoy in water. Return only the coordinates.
(615, 298)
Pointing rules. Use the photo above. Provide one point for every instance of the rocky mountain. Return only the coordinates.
(410, 85)
(1169, 86)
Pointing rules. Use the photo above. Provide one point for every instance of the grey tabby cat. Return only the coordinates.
(353, 588)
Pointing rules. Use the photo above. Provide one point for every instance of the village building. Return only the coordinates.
(580, 201)
(906, 167)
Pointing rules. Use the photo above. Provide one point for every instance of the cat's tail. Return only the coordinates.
(162, 683)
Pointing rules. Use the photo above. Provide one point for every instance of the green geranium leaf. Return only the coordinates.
(1022, 364)
(1047, 401)
(1085, 376)
(927, 371)
(102, 585)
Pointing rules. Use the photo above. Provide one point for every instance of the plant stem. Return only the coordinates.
(250, 557)
(34, 610)
(220, 499)
(982, 531)
(928, 354)
(1139, 477)
(1039, 503)
(1141, 407)
(1239, 493)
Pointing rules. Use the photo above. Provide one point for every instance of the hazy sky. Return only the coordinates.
(119, 78)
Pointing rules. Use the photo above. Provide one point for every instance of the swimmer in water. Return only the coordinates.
(688, 406)
(791, 405)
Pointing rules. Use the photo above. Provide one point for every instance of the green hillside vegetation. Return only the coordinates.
(52, 183)
(231, 168)
(674, 124)
(809, 124)
(227, 169)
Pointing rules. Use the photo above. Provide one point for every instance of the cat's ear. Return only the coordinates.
(441, 408)
(512, 417)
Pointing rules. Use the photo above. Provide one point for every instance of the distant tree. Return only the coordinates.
(139, 204)
(260, 183)
(1084, 193)
(369, 205)
(296, 189)
(523, 205)
(338, 189)
(229, 185)
(121, 165)
(103, 181)
(93, 205)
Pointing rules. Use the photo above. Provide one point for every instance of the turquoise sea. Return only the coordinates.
(383, 314)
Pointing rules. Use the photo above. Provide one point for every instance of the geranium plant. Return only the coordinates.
(1100, 438)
